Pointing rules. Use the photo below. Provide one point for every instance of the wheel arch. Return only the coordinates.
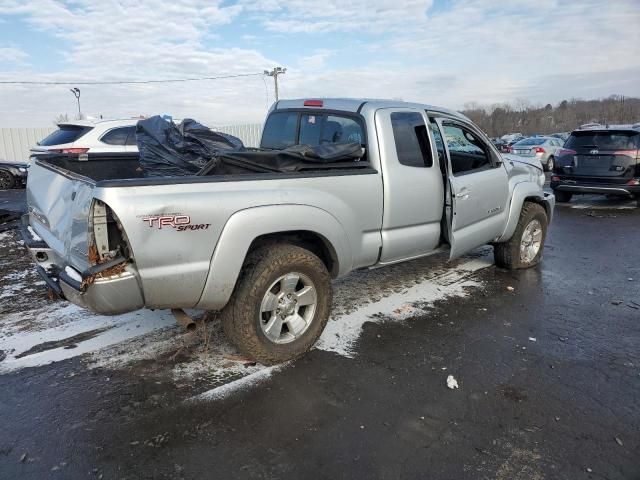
(524, 192)
(302, 225)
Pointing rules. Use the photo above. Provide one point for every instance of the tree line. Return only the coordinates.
(523, 117)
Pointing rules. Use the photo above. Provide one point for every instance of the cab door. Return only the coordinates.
(478, 192)
(412, 182)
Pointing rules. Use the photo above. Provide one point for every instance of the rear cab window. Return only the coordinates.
(288, 128)
(64, 134)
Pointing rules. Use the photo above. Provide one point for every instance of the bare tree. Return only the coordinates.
(61, 118)
(529, 119)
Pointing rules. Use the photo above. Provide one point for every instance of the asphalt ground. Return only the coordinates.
(547, 361)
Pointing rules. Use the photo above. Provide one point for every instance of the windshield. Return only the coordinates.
(66, 134)
(619, 140)
(530, 141)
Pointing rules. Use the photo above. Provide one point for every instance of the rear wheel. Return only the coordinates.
(562, 197)
(280, 305)
(7, 180)
(550, 164)
(524, 248)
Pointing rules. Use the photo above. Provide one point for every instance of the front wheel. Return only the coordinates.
(524, 248)
(280, 305)
(7, 180)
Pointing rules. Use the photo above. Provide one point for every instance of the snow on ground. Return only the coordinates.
(342, 332)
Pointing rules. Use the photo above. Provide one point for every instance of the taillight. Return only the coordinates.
(628, 153)
(313, 103)
(75, 150)
(555, 179)
(634, 182)
(539, 150)
(566, 151)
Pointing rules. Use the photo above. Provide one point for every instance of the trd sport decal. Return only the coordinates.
(182, 223)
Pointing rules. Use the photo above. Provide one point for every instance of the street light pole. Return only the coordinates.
(76, 93)
(274, 73)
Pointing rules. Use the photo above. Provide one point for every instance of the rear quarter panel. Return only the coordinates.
(174, 265)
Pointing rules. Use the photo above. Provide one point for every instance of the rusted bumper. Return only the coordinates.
(109, 289)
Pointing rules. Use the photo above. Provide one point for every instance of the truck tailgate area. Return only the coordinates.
(59, 207)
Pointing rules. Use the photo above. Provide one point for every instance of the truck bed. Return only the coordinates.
(105, 168)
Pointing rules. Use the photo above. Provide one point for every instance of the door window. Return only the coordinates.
(117, 136)
(411, 139)
(131, 139)
(466, 150)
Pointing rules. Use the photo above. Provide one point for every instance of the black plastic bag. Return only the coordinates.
(170, 150)
(291, 159)
(327, 152)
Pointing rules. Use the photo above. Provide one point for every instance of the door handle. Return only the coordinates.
(463, 194)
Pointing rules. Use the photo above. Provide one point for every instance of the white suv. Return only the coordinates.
(95, 136)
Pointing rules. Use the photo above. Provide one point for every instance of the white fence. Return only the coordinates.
(16, 142)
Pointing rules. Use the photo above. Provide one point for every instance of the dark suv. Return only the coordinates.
(601, 159)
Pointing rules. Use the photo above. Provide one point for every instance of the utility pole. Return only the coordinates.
(274, 73)
(76, 93)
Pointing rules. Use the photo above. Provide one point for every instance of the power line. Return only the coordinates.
(127, 82)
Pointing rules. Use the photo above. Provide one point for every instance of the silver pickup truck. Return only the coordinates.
(262, 246)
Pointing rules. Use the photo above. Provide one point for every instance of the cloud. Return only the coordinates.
(12, 57)
(316, 61)
(446, 53)
(353, 16)
(137, 40)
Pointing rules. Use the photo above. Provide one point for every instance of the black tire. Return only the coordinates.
(507, 254)
(563, 197)
(7, 180)
(550, 164)
(241, 317)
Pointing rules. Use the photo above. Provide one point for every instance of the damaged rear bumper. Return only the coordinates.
(94, 289)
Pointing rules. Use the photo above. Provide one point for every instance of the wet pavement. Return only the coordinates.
(547, 361)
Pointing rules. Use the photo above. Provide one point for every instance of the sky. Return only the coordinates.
(447, 53)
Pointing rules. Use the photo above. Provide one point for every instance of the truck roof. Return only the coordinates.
(359, 104)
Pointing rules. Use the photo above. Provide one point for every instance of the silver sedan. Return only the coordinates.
(544, 148)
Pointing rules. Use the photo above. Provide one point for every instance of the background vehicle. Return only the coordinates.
(508, 140)
(599, 159)
(95, 136)
(542, 148)
(260, 234)
(12, 175)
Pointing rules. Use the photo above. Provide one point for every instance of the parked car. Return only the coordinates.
(261, 243)
(562, 136)
(13, 174)
(601, 159)
(543, 148)
(508, 140)
(95, 136)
